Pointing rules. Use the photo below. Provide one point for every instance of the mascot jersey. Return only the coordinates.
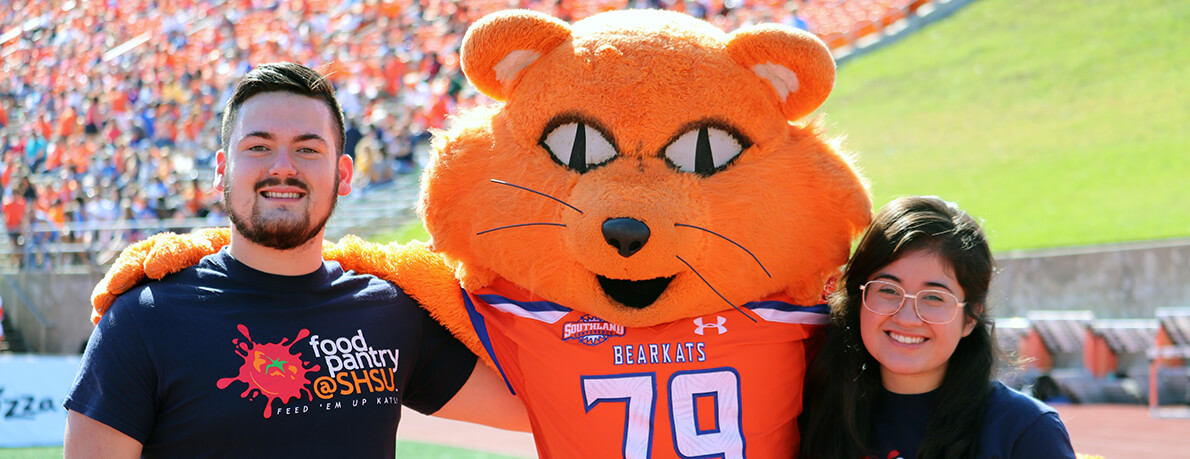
(597, 389)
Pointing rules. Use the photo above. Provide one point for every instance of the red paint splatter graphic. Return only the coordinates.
(271, 370)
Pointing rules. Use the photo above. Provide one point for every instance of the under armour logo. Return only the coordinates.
(699, 326)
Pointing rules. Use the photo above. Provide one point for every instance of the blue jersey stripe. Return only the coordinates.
(526, 305)
(481, 329)
(788, 307)
(544, 311)
(780, 311)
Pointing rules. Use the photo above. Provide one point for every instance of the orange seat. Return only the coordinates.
(892, 16)
(865, 28)
(835, 40)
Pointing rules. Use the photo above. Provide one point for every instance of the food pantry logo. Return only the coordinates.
(276, 372)
(271, 370)
(355, 367)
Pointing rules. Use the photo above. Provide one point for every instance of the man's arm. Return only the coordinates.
(88, 438)
(485, 399)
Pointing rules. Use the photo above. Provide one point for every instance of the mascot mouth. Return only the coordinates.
(634, 294)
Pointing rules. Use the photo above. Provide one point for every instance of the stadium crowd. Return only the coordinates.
(110, 111)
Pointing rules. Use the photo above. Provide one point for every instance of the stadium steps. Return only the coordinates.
(13, 342)
(375, 209)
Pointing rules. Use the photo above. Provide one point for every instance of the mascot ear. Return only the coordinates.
(795, 63)
(497, 48)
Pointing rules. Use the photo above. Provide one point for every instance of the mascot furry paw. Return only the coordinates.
(641, 230)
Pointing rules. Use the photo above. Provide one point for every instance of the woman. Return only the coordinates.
(907, 369)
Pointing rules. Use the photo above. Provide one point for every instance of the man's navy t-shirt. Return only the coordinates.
(223, 360)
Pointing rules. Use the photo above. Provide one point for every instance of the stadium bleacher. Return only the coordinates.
(1121, 345)
(1169, 375)
(1115, 353)
(112, 108)
(1011, 333)
(1175, 330)
(1062, 333)
(1082, 359)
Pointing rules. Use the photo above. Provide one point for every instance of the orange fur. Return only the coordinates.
(154, 258)
(644, 78)
(420, 273)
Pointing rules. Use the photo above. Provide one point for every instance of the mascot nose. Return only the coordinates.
(628, 235)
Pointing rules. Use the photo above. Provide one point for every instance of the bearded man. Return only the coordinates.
(264, 348)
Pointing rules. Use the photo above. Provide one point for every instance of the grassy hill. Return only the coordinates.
(1058, 122)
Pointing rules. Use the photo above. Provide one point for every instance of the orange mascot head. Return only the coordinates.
(643, 166)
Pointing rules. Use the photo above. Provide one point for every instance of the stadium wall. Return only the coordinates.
(1118, 281)
(61, 300)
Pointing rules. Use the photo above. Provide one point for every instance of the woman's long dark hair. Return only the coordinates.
(843, 383)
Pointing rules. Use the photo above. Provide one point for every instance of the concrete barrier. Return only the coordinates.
(51, 310)
(1117, 281)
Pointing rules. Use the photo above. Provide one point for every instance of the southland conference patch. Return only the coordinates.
(590, 330)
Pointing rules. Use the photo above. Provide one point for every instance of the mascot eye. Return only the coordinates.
(705, 150)
(578, 146)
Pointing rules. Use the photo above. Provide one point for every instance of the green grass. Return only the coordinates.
(410, 231)
(404, 449)
(1058, 122)
(31, 453)
(418, 450)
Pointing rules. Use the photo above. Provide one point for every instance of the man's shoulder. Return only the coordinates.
(362, 280)
(144, 293)
(147, 292)
(365, 285)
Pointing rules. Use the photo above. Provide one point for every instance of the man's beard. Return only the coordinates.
(279, 234)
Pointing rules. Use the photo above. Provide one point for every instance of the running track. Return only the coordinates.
(1111, 431)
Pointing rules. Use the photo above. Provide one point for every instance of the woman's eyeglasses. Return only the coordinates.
(932, 306)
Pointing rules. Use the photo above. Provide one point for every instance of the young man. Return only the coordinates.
(265, 349)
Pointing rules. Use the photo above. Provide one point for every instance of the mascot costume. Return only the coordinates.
(637, 235)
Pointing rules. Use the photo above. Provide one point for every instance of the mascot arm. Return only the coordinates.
(422, 274)
(413, 267)
(154, 258)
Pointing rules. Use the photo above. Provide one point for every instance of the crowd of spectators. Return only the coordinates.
(109, 110)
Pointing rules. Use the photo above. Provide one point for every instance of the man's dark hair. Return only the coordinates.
(282, 77)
